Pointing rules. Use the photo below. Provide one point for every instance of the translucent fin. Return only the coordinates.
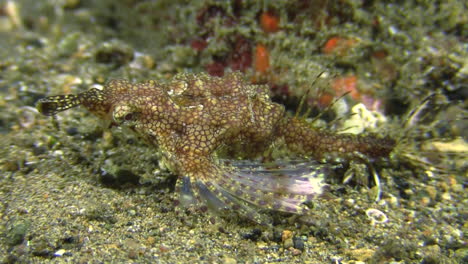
(224, 200)
(184, 192)
(213, 202)
(248, 187)
(284, 186)
(200, 194)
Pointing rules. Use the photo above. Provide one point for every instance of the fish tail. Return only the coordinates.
(303, 139)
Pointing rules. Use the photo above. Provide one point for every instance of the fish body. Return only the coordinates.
(193, 116)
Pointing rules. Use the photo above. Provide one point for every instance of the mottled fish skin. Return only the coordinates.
(192, 116)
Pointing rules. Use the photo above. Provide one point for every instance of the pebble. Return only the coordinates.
(163, 248)
(262, 245)
(425, 201)
(361, 254)
(457, 145)
(298, 243)
(349, 202)
(253, 235)
(11, 165)
(376, 216)
(150, 240)
(431, 191)
(287, 234)
(446, 196)
(288, 243)
(17, 232)
(458, 188)
(295, 251)
(143, 62)
(27, 117)
(433, 250)
(59, 252)
(229, 260)
(392, 200)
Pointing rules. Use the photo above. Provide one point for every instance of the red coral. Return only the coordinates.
(346, 84)
(269, 22)
(338, 45)
(262, 58)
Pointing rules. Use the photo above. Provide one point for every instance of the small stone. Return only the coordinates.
(114, 53)
(132, 254)
(253, 235)
(425, 201)
(452, 180)
(409, 192)
(262, 245)
(361, 254)
(446, 196)
(229, 260)
(287, 234)
(134, 249)
(432, 250)
(164, 248)
(11, 165)
(295, 251)
(443, 186)
(147, 62)
(151, 240)
(349, 202)
(376, 216)
(288, 243)
(455, 146)
(382, 203)
(431, 191)
(17, 232)
(298, 243)
(59, 252)
(393, 201)
(458, 188)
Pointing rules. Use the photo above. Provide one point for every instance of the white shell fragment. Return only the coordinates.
(376, 216)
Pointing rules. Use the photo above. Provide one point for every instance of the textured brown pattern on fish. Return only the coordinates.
(193, 116)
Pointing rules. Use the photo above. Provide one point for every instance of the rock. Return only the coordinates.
(298, 243)
(229, 260)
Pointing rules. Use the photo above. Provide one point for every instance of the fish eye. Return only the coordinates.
(129, 117)
(124, 114)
